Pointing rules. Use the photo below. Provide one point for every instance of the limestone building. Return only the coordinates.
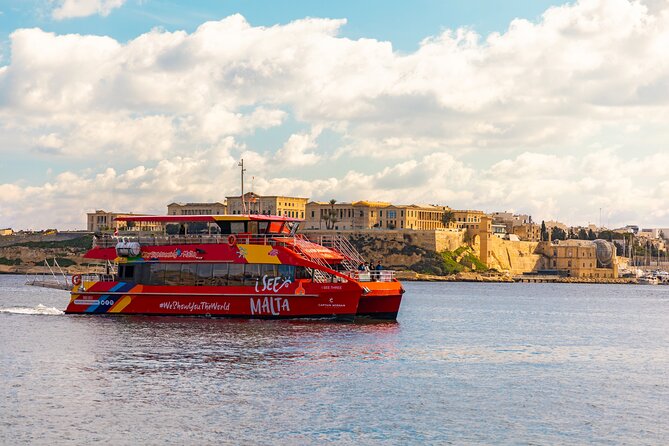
(581, 258)
(282, 206)
(345, 216)
(216, 208)
(360, 215)
(101, 221)
(468, 219)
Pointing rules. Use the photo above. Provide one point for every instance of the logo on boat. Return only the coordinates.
(269, 306)
(273, 284)
(176, 254)
(195, 306)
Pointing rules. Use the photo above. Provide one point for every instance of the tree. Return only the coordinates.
(591, 234)
(447, 218)
(558, 233)
(544, 232)
(330, 216)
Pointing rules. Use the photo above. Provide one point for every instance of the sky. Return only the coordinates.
(550, 108)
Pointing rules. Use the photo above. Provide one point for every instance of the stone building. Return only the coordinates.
(468, 219)
(581, 258)
(372, 215)
(216, 208)
(530, 232)
(344, 216)
(282, 206)
(101, 221)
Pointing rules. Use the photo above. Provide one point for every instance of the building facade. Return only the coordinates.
(528, 232)
(293, 207)
(344, 216)
(578, 258)
(103, 221)
(468, 219)
(216, 208)
(361, 215)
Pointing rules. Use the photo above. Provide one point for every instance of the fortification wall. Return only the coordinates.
(516, 257)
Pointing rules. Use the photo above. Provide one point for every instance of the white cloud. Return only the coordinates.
(296, 151)
(68, 9)
(560, 116)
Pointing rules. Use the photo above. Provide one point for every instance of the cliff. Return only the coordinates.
(26, 254)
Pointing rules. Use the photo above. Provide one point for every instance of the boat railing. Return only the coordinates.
(108, 241)
(372, 276)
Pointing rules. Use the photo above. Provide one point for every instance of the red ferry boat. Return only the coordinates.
(250, 266)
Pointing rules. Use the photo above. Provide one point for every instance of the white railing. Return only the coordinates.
(108, 241)
(372, 276)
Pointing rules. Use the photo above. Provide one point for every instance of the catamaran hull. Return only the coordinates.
(379, 307)
(382, 301)
(235, 302)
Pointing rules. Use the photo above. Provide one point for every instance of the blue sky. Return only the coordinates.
(403, 23)
(128, 105)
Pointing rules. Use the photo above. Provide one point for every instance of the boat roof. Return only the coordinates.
(206, 218)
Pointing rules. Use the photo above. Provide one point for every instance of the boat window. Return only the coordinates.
(237, 226)
(157, 274)
(275, 227)
(172, 273)
(172, 229)
(252, 227)
(220, 274)
(127, 272)
(224, 227)
(268, 270)
(262, 227)
(204, 274)
(188, 271)
(145, 276)
(286, 272)
(303, 273)
(236, 274)
(251, 274)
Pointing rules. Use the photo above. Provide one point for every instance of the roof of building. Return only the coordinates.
(253, 194)
(205, 218)
(197, 204)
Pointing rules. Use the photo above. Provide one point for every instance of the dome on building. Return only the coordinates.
(605, 251)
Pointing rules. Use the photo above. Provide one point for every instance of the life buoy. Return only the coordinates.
(76, 279)
(232, 240)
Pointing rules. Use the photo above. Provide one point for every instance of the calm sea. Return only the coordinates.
(466, 363)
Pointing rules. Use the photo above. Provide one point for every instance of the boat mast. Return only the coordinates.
(241, 164)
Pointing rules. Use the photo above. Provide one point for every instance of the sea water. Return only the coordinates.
(466, 363)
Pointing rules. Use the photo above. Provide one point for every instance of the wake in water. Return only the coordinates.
(39, 309)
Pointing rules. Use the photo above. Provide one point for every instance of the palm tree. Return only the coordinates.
(331, 215)
(447, 218)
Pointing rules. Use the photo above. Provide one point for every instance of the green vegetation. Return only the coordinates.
(6, 261)
(65, 262)
(449, 262)
(79, 243)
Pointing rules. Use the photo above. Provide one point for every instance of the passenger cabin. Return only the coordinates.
(262, 225)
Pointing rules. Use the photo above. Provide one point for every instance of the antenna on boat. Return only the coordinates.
(241, 164)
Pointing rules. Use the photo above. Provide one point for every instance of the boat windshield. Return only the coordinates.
(259, 227)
